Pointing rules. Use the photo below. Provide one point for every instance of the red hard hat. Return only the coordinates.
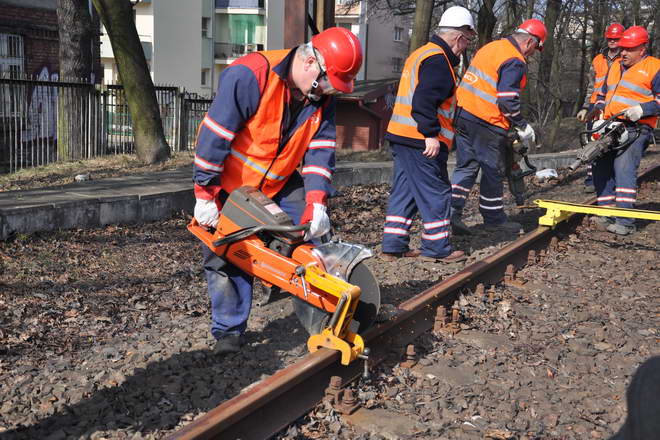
(614, 31)
(633, 36)
(535, 27)
(342, 54)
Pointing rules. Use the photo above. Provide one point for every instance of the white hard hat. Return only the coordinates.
(457, 16)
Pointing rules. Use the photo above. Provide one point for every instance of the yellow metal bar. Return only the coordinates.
(339, 338)
(560, 211)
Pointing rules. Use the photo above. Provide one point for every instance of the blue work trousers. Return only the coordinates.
(615, 175)
(477, 147)
(419, 184)
(230, 289)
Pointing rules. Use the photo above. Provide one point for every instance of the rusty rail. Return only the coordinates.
(275, 402)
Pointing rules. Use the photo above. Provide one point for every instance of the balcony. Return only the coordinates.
(243, 4)
(231, 51)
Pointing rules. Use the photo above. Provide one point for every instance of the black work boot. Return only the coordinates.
(457, 225)
(230, 343)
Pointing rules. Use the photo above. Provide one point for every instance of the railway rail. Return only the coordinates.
(273, 403)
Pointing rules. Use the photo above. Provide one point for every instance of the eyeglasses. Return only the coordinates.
(469, 37)
(322, 82)
(539, 43)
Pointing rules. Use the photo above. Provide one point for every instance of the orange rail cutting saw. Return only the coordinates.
(336, 296)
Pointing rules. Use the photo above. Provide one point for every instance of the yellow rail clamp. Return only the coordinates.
(560, 211)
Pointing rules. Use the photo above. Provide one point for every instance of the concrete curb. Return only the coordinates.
(145, 198)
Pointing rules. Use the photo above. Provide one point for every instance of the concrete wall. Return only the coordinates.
(275, 24)
(376, 33)
(382, 47)
(177, 57)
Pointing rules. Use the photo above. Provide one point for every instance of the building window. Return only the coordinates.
(205, 77)
(11, 54)
(398, 33)
(206, 32)
(397, 64)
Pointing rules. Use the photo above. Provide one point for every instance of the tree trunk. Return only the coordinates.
(422, 25)
(654, 35)
(547, 55)
(486, 21)
(117, 17)
(583, 66)
(75, 58)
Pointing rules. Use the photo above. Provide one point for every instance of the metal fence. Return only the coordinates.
(100, 124)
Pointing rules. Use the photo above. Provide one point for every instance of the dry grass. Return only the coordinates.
(63, 173)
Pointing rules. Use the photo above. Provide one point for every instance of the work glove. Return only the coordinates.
(633, 113)
(582, 115)
(207, 205)
(316, 215)
(527, 136)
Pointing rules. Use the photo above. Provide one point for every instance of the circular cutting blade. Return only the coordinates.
(314, 319)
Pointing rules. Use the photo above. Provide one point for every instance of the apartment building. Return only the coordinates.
(189, 46)
(385, 39)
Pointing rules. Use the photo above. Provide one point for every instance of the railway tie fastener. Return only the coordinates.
(278, 400)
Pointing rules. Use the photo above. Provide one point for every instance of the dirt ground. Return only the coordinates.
(104, 333)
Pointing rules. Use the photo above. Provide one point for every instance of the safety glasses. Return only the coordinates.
(322, 82)
(539, 43)
(469, 37)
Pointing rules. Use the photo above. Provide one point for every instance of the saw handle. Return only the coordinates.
(246, 232)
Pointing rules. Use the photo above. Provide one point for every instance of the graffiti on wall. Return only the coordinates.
(42, 109)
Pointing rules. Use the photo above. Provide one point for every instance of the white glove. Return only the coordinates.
(206, 212)
(581, 115)
(320, 224)
(633, 113)
(527, 136)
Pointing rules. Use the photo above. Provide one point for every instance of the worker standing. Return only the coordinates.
(632, 86)
(420, 132)
(488, 106)
(272, 111)
(597, 73)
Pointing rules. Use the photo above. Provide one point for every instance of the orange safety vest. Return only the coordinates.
(402, 122)
(601, 66)
(477, 92)
(632, 88)
(256, 158)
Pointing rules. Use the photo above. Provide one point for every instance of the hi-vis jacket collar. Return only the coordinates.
(515, 44)
(282, 68)
(453, 59)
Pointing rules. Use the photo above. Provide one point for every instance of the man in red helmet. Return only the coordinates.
(488, 107)
(599, 68)
(273, 111)
(631, 92)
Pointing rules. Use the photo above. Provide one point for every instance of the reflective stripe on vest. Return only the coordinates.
(477, 91)
(632, 88)
(256, 157)
(601, 66)
(401, 122)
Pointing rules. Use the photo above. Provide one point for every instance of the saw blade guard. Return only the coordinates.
(345, 261)
(340, 258)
